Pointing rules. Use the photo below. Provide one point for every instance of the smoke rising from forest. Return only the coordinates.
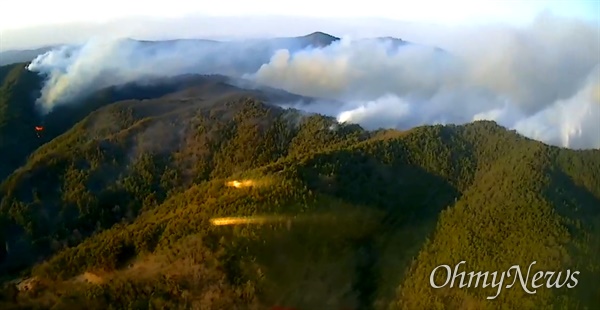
(542, 80)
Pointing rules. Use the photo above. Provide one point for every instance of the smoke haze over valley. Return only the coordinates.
(540, 79)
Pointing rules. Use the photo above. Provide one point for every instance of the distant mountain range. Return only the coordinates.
(16, 56)
(316, 39)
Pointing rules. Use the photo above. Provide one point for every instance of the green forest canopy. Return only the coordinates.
(115, 212)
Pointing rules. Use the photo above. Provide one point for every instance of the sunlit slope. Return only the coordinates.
(19, 115)
(324, 218)
(523, 208)
(130, 156)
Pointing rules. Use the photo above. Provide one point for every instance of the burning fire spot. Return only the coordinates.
(222, 221)
(38, 131)
(240, 184)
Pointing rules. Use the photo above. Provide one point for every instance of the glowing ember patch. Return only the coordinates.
(246, 220)
(240, 184)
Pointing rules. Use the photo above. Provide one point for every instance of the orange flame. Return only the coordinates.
(240, 184)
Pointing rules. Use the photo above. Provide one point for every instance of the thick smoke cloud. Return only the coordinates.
(75, 71)
(542, 80)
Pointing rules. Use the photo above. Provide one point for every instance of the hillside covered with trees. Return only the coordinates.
(112, 209)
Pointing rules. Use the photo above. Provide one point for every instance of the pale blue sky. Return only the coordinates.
(27, 13)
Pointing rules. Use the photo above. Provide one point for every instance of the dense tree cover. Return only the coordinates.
(19, 89)
(115, 212)
(17, 116)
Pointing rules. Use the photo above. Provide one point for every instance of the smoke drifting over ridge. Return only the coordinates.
(542, 80)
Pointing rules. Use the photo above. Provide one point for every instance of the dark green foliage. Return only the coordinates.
(124, 199)
(17, 116)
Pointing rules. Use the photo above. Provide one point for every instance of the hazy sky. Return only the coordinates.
(28, 23)
(532, 66)
(25, 13)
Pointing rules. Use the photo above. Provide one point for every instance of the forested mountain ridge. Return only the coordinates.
(192, 135)
(19, 89)
(494, 185)
(115, 210)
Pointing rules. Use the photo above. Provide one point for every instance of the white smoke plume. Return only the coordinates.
(75, 71)
(542, 80)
